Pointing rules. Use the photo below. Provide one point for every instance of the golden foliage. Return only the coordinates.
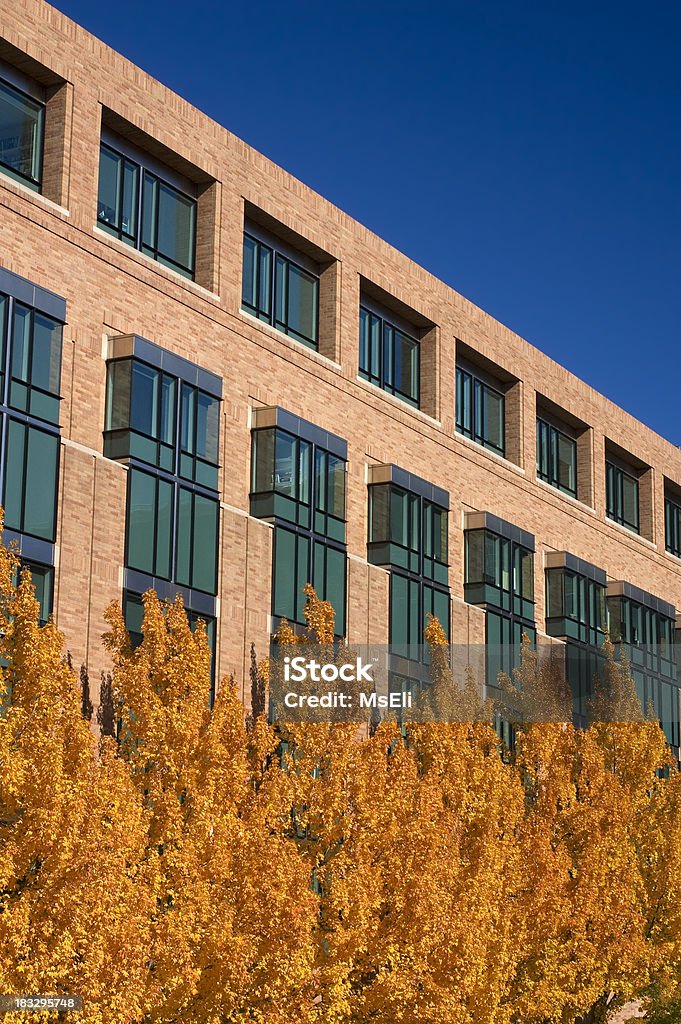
(200, 871)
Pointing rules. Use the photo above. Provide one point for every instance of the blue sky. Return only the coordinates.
(529, 154)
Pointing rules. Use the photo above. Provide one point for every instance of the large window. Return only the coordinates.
(408, 534)
(140, 207)
(279, 290)
(388, 356)
(142, 421)
(645, 630)
(622, 498)
(576, 612)
(672, 525)
(21, 135)
(166, 427)
(299, 484)
(556, 458)
(30, 371)
(479, 411)
(499, 574)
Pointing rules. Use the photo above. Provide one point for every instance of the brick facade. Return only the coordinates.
(111, 289)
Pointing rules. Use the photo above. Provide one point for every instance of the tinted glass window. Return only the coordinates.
(21, 135)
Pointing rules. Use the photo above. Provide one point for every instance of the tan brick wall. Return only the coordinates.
(111, 289)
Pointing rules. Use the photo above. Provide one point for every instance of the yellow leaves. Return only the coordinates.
(202, 871)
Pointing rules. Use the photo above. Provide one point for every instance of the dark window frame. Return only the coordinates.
(177, 485)
(34, 183)
(471, 426)
(548, 450)
(137, 241)
(615, 475)
(384, 377)
(672, 526)
(269, 315)
(176, 449)
(304, 524)
(491, 590)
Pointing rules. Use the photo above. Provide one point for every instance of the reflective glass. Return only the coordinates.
(21, 134)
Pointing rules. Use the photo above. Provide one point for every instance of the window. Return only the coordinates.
(166, 427)
(21, 135)
(42, 578)
(408, 534)
(142, 423)
(30, 480)
(35, 366)
(299, 483)
(280, 291)
(479, 411)
(141, 208)
(645, 629)
(388, 356)
(672, 525)
(556, 458)
(622, 496)
(499, 572)
(575, 606)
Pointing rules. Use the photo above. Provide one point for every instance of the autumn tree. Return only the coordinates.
(232, 907)
(74, 905)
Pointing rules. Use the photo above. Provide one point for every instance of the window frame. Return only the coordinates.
(34, 183)
(672, 525)
(615, 475)
(161, 176)
(278, 254)
(548, 441)
(385, 360)
(471, 425)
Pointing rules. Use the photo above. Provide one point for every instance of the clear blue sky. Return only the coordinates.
(529, 154)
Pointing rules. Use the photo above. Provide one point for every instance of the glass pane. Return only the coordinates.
(567, 463)
(335, 586)
(118, 395)
(464, 418)
(40, 497)
(108, 188)
(280, 291)
(399, 517)
(129, 204)
(554, 593)
(302, 303)
(379, 514)
(207, 427)
(205, 543)
(46, 363)
(630, 501)
(284, 575)
(262, 476)
(184, 537)
(141, 521)
(304, 481)
(145, 388)
(164, 521)
(493, 419)
(14, 475)
(41, 578)
(336, 486)
(188, 416)
(21, 342)
(149, 200)
(375, 347)
(20, 133)
(475, 556)
(249, 281)
(285, 464)
(399, 610)
(363, 341)
(406, 365)
(167, 423)
(265, 281)
(176, 214)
